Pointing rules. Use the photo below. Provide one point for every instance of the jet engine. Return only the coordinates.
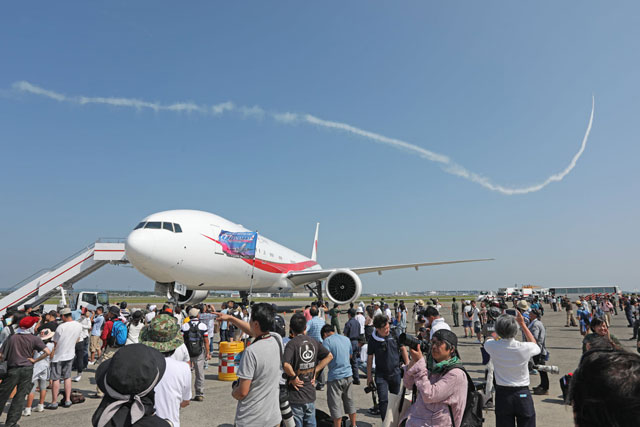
(190, 297)
(343, 286)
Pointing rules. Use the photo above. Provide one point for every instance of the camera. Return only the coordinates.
(369, 388)
(413, 343)
(510, 311)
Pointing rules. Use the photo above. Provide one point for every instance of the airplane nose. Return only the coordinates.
(139, 247)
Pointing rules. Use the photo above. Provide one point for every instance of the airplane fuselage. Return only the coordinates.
(183, 246)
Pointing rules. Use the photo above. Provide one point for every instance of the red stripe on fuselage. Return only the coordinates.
(274, 267)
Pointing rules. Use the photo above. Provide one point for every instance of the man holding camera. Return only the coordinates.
(386, 350)
(511, 368)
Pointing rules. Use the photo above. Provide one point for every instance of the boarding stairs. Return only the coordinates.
(42, 285)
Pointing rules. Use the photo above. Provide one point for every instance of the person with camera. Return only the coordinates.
(442, 390)
(511, 368)
(257, 387)
(386, 351)
(540, 334)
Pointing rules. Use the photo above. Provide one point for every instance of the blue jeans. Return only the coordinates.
(386, 384)
(304, 415)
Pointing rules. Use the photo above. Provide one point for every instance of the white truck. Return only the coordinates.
(80, 300)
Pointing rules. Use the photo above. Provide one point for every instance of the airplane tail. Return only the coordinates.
(314, 251)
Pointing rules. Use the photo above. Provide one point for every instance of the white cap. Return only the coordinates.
(152, 307)
(359, 310)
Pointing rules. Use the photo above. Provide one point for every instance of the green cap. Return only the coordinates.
(162, 333)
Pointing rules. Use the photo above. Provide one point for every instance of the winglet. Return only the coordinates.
(314, 251)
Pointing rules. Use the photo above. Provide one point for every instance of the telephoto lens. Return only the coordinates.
(550, 369)
(413, 342)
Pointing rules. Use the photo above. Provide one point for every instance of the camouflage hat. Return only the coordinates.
(162, 333)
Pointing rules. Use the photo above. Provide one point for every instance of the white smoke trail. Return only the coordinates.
(257, 112)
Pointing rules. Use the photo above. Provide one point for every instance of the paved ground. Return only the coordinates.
(218, 409)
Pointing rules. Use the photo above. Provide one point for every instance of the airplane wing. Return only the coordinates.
(302, 277)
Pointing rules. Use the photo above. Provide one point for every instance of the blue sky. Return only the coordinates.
(502, 88)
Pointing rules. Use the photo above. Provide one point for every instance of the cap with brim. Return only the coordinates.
(162, 333)
(193, 313)
(448, 336)
(535, 311)
(359, 310)
(65, 311)
(114, 309)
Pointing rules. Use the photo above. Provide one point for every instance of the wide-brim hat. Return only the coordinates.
(420, 302)
(523, 305)
(46, 334)
(359, 310)
(131, 370)
(162, 333)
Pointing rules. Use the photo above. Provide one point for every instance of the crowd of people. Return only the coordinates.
(146, 359)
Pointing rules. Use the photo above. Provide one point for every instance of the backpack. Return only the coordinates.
(472, 415)
(118, 335)
(279, 326)
(324, 420)
(194, 340)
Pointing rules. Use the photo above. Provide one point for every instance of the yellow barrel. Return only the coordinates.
(229, 360)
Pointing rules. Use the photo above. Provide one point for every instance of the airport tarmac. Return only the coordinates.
(218, 408)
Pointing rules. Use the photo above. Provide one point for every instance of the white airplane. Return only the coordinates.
(181, 250)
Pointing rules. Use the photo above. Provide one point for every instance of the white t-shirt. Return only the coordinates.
(181, 354)
(466, 310)
(150, 315)
(475, 311)
(173, 388)
(387, 312)
(133, 334)
(86, 327)
(360, 319)
(510, 360)
(66, 336)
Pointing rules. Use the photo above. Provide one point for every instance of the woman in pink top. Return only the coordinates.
(442, 387)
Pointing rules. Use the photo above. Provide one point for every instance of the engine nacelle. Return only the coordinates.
(192, 297)
(343, 286)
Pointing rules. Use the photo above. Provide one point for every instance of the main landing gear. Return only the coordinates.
(316, 289)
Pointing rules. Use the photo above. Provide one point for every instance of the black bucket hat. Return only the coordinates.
(126, 379)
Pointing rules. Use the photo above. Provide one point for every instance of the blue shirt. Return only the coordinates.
(314, 326)
(340, 348)
(98, 321)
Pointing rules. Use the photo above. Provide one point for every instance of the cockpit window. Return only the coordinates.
(140, 225)
(178, 228)
(153, 224)
(167, 226)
